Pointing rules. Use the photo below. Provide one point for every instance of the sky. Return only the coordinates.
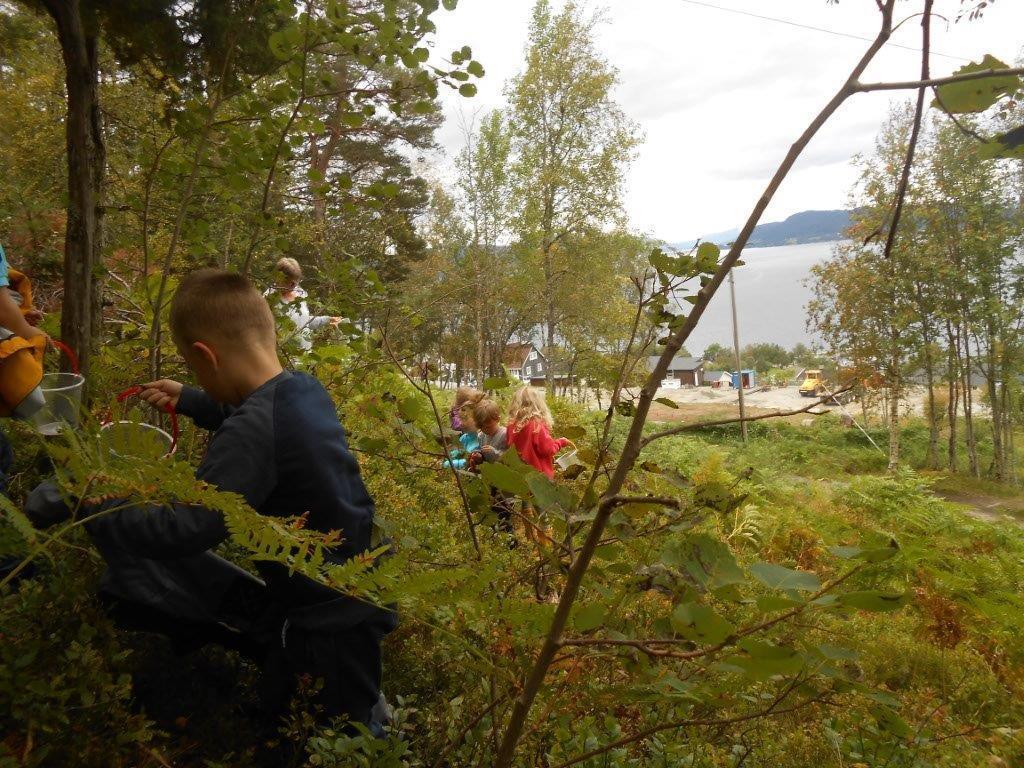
(720, 97)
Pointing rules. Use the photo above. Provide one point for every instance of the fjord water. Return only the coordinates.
(772, 292)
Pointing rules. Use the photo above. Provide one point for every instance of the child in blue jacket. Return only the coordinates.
(278, 443)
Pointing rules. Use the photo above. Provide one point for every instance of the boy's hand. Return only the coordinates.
(162, 393)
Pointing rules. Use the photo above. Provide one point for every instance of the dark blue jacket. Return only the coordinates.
(284, 450)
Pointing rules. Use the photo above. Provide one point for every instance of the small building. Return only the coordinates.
(522, 360)
(718, 379)
(747, 375)
(528, 364)
(688, 371)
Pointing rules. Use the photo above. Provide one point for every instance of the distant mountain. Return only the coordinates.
(803, 227)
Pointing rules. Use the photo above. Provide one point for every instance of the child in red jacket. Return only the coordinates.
(529, 431)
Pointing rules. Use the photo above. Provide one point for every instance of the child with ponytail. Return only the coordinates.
(466, 399)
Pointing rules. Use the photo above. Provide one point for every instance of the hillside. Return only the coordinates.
(803, 227)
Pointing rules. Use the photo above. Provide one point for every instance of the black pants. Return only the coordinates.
(345, 668)
(204, 599)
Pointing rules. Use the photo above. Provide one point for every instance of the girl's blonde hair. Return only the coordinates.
(290, 268)
(473, 398)
(528, 403)
(465, 395)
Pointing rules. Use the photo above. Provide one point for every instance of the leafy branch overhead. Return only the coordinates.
(990, 91)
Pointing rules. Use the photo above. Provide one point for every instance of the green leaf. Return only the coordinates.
(278, 44)
(846, 553)
(371, 444)
(976, 95)
(707, 257)
(877, 602)
(17, 519)
(497, 383)
(1008, 145)
(780, 577)
(505, 479)
(699, 623)
(888, 720)
(410, 408)
(353, 119)
(708, 562)
(573, 432)
(475, 68)
(468, 90)
(835, 653)
(589, 617)
(772, 603)
(449, 5)
(548, 493)
(764, 660)
(666, 402)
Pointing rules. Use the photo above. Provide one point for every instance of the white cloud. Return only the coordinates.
(721, 97)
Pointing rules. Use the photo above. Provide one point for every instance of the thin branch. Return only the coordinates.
(964, 128)
(271, 172)
(661, 501)
(925, 82)
(747, 419)
(915, 133)
(631, 451)
(769, 711)
(753, 629)
(467, 728)
(425, 391)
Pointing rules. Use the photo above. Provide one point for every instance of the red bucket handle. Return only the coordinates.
(72, 357)
(135, 391)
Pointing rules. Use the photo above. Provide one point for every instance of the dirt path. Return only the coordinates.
(984, 507)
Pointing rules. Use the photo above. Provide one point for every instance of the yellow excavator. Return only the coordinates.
(814, 384)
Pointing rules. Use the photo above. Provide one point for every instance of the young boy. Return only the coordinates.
(277, 442)
(493, 443)
(493, 437)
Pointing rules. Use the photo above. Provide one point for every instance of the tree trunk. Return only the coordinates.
(953, 404)
(895, 389)
(549, 318)
(894, 430)
(996, 411)
(932, 458)
(966, 367)
(80, 313)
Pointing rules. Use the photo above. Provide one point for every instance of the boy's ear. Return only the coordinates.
(207, 353)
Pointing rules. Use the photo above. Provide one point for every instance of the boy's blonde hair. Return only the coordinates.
(213, 304)
(486, 411)
(290, 268)
(528, 403)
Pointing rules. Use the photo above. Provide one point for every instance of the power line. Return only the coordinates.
(738, 12)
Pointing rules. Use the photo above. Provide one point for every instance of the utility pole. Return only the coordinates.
(739, 365)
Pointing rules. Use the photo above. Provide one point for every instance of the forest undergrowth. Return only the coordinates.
(938, 681)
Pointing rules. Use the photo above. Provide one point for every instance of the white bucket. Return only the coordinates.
(567, 460)
(62, 393)
(133, 438)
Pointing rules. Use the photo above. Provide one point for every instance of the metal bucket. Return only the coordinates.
(132, 438)
(62, 397)
(137, 438)
(62, 402)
